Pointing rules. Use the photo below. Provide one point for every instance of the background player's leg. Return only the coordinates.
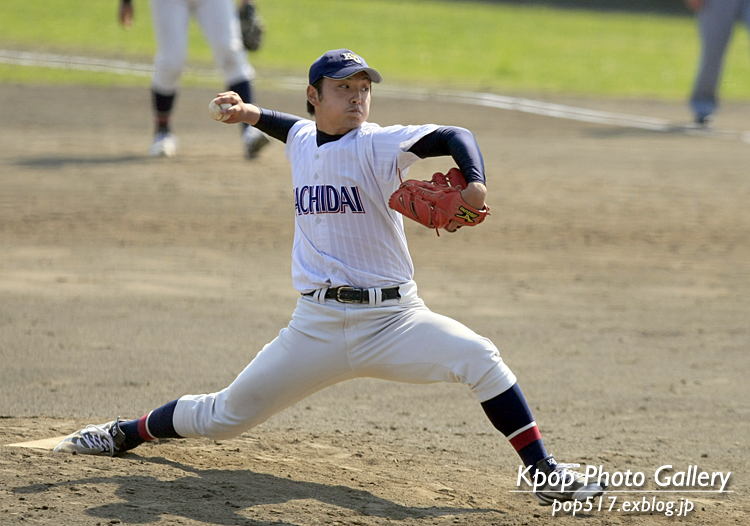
(220, 25)
(745, 14)
(163, 104)
(253, 139)
(245, 90)
(715, 22)
(171, 19)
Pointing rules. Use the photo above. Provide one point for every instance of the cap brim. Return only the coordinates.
(353, 70)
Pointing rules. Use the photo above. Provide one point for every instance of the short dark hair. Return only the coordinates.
(318, 84)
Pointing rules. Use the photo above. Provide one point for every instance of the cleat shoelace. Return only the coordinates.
(98, 437)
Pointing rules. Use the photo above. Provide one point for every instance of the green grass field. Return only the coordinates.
(461, 45)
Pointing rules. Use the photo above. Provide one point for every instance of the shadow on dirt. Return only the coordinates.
(227, 497)
(688, 129)
(60, 161)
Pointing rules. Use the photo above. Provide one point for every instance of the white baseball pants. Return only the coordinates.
(328, 342)
(220, 25)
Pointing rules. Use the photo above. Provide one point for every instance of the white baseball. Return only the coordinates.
(214, 110)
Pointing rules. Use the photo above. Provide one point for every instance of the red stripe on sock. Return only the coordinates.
(142, 429)
(522, 440)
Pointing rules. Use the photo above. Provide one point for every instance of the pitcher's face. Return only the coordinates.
(341, 105)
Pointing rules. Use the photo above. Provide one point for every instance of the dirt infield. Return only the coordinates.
(613, 274)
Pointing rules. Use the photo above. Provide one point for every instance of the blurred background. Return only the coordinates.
(609, 48)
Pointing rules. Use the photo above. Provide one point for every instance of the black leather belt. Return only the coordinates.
(351, 295)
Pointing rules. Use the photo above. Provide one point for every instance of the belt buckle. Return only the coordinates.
(338, 294)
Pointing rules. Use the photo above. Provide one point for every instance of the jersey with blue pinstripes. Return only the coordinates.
(345, 233)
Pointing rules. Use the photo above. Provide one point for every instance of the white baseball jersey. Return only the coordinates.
(345, 233)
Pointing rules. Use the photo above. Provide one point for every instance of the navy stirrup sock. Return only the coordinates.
(163, 104)
(156, 424)
(511, 415)
(245, 90)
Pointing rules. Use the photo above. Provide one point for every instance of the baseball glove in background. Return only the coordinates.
(437, 202)
(252, 25)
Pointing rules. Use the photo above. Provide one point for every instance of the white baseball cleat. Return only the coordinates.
(164, 145)
(564, 484)
(254, 141)
(106, 440)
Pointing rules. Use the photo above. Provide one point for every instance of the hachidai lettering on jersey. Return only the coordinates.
(327, 199)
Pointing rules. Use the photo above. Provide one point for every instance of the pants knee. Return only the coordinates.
(233, 64)
(488, 375)
(167, 76)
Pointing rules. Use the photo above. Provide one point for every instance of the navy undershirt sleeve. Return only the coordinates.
(276, 124)
(457, 142)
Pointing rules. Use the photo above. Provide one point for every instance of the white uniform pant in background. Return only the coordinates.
(220, 25)
(328, 342)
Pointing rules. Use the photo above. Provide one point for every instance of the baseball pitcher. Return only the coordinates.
(359, 313)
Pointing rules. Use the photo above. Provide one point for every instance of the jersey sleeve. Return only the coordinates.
(276, 124)
(457, 142)
(390, 148)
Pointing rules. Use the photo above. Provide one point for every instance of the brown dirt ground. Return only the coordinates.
(614, 275)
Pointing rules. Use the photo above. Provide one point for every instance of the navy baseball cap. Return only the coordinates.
(341, 64)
